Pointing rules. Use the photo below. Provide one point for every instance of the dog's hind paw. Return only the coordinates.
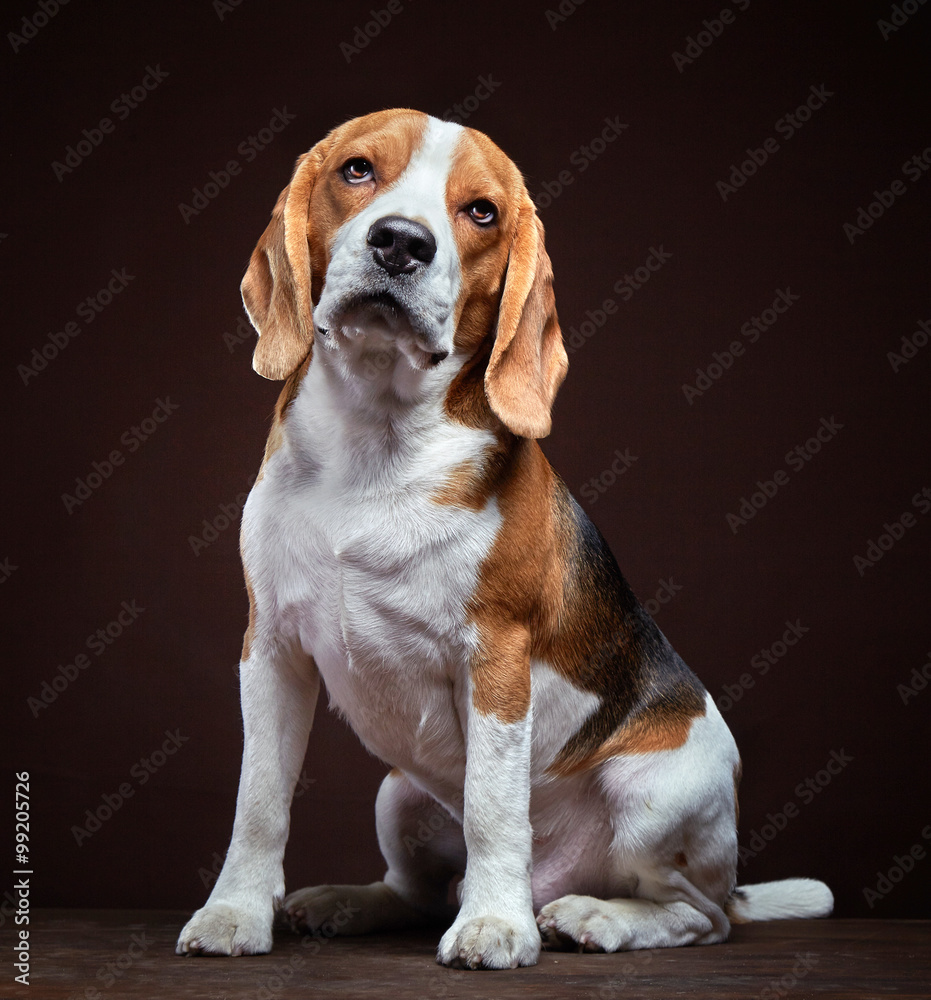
(349, 909)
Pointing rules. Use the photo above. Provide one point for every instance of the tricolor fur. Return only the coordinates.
(407, 542)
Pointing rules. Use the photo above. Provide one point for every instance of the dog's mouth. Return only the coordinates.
(363, 311)
(379, 316)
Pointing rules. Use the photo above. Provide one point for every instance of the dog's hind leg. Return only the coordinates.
(628, 924)
(424, 847)
(673, 815)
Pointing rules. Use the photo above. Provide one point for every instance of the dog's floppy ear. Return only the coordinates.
(528, 361)
(276, 287)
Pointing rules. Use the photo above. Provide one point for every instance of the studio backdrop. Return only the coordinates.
(736, 200)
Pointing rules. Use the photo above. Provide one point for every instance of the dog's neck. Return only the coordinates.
(364, 405)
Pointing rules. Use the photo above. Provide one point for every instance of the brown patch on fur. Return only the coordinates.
(250, 630)
(463, 487)
(470, 485)
(274, 442)
(519, 583)
(681, 860)
(291, 387)
(501, 671)
(466, 402)
(646, 734)
(285, 399)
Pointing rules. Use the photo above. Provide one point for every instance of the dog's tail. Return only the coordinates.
(788, 899)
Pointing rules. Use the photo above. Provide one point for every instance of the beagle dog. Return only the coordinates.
(407, 543)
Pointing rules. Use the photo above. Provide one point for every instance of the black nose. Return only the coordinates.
(401, 245)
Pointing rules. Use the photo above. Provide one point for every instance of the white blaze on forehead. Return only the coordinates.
(420, 191)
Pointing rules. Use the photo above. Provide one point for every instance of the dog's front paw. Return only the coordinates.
(490, 942)
(225, 929)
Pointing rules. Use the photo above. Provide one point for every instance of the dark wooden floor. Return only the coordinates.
(108, 955)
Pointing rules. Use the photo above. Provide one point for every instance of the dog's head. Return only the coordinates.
(424, 232)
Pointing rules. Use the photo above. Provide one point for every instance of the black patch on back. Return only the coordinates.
(622, 655)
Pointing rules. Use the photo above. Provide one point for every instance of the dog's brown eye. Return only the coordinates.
(358, 170)
(482, 212)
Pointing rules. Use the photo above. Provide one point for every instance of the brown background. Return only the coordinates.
(172, 669)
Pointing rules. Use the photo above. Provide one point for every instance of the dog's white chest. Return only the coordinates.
(373, 578)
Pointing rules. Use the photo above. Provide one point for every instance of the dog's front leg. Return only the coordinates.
(495, 928)
(279, 691)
